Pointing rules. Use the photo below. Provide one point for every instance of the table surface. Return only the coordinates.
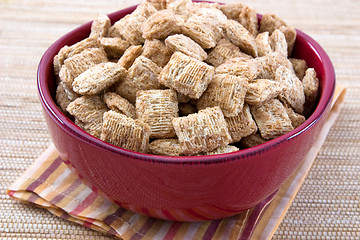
(327, 205)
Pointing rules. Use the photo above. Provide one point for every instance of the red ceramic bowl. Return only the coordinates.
(184, 188)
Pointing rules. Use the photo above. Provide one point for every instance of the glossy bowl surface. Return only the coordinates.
(184, 188)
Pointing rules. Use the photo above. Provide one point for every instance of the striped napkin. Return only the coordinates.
(51, 184)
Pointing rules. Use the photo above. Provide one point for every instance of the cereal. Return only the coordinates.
(203, 131)
(160, 4)
(262, 90)
(192, 76)
(223, 51)
(311, 88)
(129, 56)
(157, 52)
(263, 44)
(125, 132)
(248, 68)
(241, 125)
(166, 147)
(271, 119)
(232, 10)
(270, 63)
(181, 7)
(100, 26)
(79, 63)
(299, 66)
(271, 22)
(96, 79)
(89, 110)
(278, 42)
(221, 150)
(227, 92)
(119, 104)
(160, 25)
(66, 52)
(296, 119)
(241, 37)
(114, 47)
(64, 96)
(142, 75)
(293, 93)
(130, 26)
(186, 75)
(157, 108)
(202, 31)
(186, 45)
(252, 140)
(248, 18)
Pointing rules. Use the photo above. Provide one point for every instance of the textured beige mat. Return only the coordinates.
(328, 203)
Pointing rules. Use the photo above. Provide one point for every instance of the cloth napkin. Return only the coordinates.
(51, 184)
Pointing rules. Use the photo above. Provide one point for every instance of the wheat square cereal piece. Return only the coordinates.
(186, 75)
(216, 16)
(129, 26)
(296, 119)
(248, 18)
(223, 51)
(278, 42)
(222, 150)
(157, 108)
(271, 119)
(129, 56)
(114, 47)
(113, 32)
(123, 131)
(181, 7)
(299, 66)
(248, 68)
(119, 104)
(157, 52)
(202, 30)
(142, 75)
(270, 63)
(252, 140)
(89, 111)
(293, 93)
(311, 89)
(241, 37)
(97, 78)
(64, 96)
(186, 109)
(199, 5)
(271, 22)
(203, 131)
(262, 90)
(166, 147)
(79, 63)
(241, 125)
(186, 45)
(263, 44)
(100, 26)
(160, 25)
(161, 4)
(66, 51)
(227, 92)
(232, 10)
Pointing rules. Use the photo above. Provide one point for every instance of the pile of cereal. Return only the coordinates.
(179, 78)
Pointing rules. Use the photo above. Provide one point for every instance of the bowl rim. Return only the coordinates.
(50, 107)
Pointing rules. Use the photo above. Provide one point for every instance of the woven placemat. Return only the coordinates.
(326, 207)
